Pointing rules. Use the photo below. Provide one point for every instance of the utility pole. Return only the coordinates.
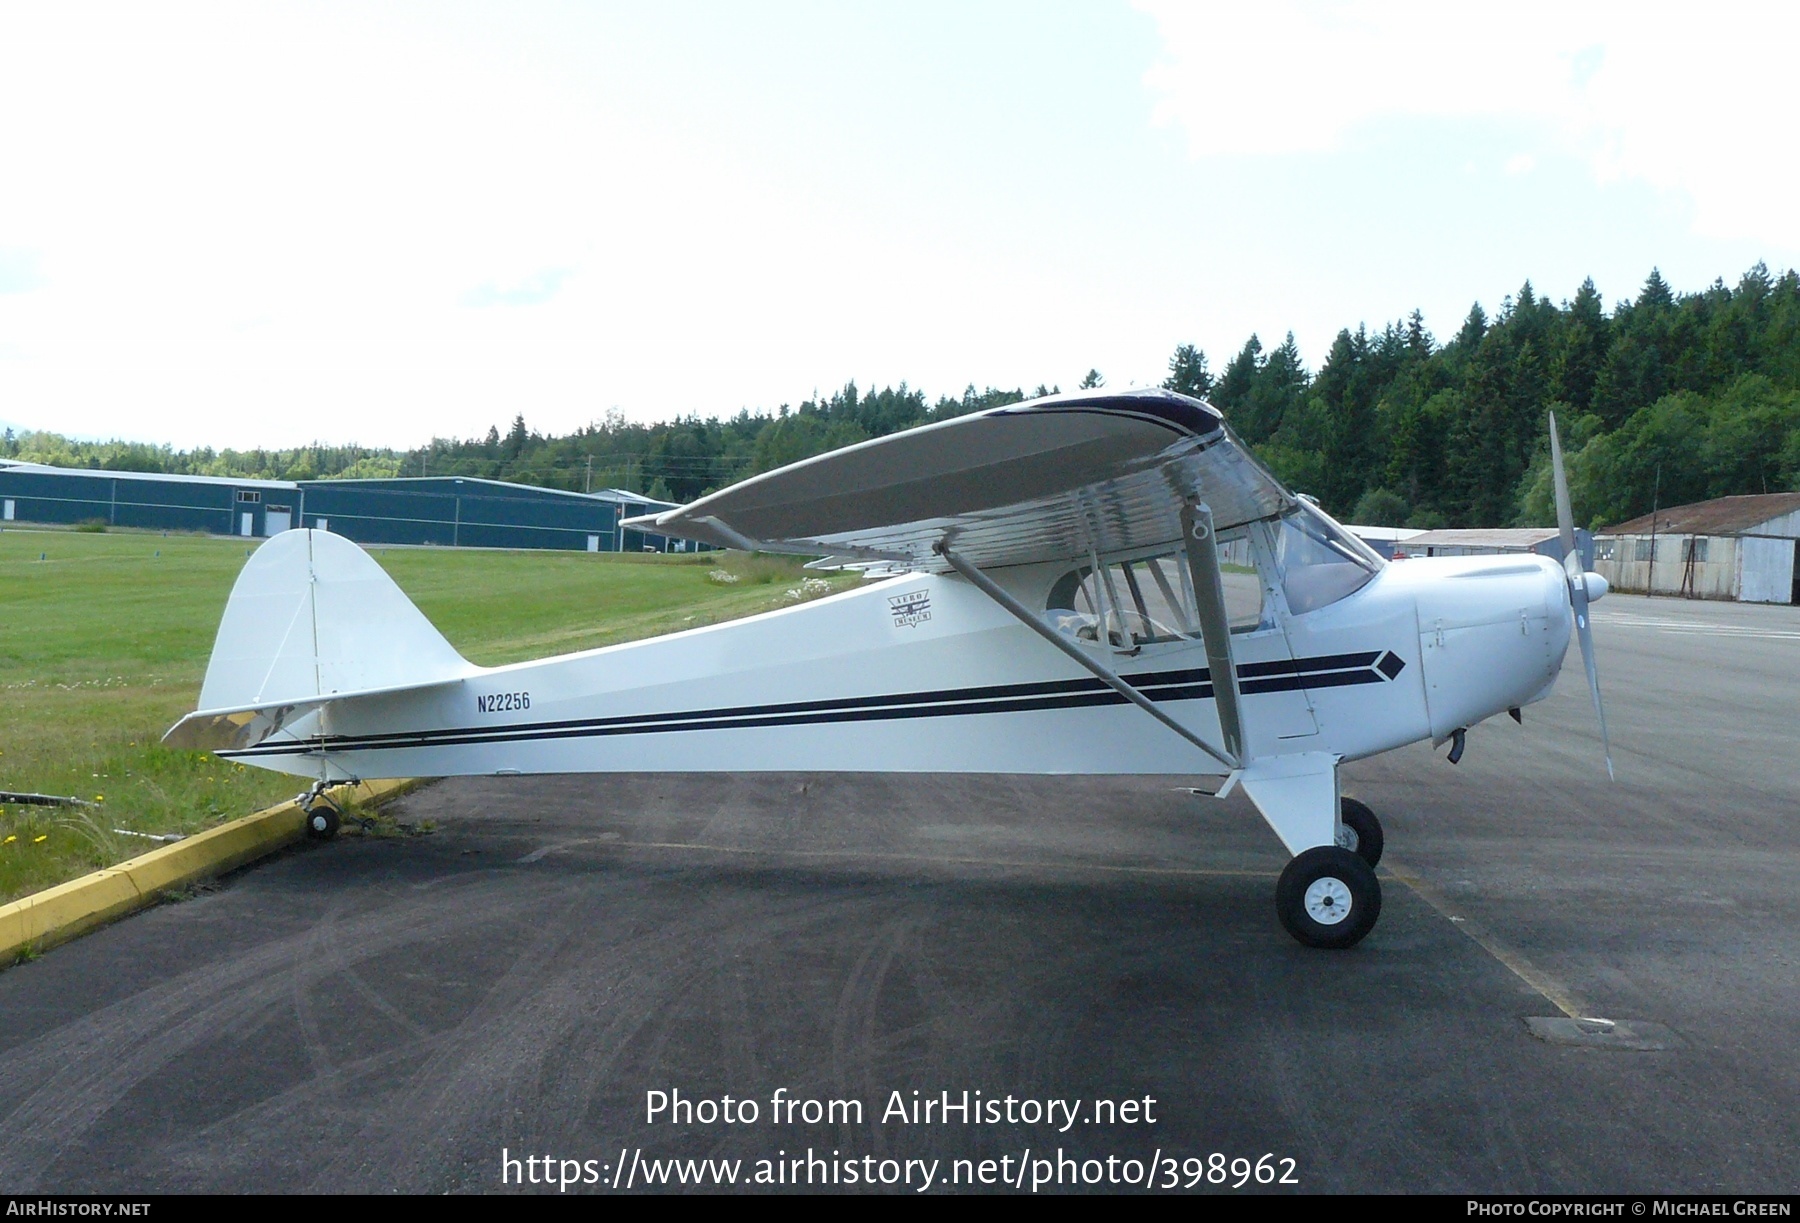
(589, 486)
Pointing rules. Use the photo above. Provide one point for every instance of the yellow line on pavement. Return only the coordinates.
(1557, 994)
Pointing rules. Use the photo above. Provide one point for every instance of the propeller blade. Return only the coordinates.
(1578, 589)
(1565, 517)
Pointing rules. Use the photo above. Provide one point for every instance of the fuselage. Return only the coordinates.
(924, 673)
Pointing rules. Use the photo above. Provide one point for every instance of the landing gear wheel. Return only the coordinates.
(1328, 897)
(322, 821)
(1361, 831)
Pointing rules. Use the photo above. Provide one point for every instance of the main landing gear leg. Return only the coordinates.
(1328, 895)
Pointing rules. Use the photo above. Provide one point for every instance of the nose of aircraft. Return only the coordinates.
(1492, 635)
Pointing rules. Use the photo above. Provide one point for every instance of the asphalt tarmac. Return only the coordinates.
(409, 1013)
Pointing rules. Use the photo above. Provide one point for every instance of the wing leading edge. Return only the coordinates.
(1044, 480)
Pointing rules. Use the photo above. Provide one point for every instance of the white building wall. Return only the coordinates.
(1768, 574)
(1756, 567)
(1713, 578)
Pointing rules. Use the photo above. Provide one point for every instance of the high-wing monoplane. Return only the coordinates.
(1088, 583)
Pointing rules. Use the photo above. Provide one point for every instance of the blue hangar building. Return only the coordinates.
(449, 511)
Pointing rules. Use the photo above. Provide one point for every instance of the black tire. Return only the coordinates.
(322, 821)
(1328, 897)
(1364, 831)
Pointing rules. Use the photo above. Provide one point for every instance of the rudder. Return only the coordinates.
(311, 615)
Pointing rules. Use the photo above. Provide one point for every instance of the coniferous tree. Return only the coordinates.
(1279, 388)
(1188, 374)
(1231, 393)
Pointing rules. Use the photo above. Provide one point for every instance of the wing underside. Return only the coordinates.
(1062, 477)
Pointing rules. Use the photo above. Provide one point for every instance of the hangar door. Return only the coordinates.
(276, 519)
(1770, 574)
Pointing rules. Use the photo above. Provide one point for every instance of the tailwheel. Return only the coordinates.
(1328, 897)
(1360, 831)
(322, 821)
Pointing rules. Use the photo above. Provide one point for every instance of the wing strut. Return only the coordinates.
(1100, 670)
(1215, 624)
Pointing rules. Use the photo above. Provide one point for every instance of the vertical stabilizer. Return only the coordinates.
(312, 614)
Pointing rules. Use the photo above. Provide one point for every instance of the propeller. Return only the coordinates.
(1579, 580)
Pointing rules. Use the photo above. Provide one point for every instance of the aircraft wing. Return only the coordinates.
(1045, 480)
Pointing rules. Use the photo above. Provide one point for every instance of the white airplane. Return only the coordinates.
(1089, 583)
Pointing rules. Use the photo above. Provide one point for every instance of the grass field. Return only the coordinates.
(104, 639)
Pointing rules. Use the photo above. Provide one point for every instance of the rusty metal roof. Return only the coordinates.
(1723, 516)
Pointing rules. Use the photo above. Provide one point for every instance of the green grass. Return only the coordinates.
(104, 641)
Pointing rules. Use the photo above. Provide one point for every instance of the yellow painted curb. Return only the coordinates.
(68, 909)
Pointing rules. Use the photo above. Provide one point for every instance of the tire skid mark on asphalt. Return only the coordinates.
(379, 1001)
(770, 921)
(86, 1068)
(668, 967)
(970, 1029)
(473, 1069)
(506, 1061)
(735, 1021)
(304, 977)
(853, 1026)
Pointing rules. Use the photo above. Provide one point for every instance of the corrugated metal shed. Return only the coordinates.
(451, 511)
(1499, 539)
(1722, 516)
(459, 511)
(1745, 548)
(1544, 541)
(32, 492)
(1385, 540)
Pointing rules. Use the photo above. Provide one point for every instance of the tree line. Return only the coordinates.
(1667, 398)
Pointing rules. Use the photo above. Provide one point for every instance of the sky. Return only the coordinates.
(266, 224)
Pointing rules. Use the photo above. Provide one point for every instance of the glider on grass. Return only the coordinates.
(1088, 583)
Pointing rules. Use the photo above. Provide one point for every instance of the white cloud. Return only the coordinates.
(1687, 99)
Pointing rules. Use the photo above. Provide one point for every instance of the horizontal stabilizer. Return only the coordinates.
(223, 730)
(312, 619)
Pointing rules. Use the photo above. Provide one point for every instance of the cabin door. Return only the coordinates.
(1270, 674)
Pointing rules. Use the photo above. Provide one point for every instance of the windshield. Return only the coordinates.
(1320, 562)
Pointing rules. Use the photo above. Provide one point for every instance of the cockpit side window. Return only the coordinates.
(1320, 562)
(1150, 599)
(1243, 586)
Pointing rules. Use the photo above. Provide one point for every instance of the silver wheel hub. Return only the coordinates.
(1327, 901)
(1347, 838)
